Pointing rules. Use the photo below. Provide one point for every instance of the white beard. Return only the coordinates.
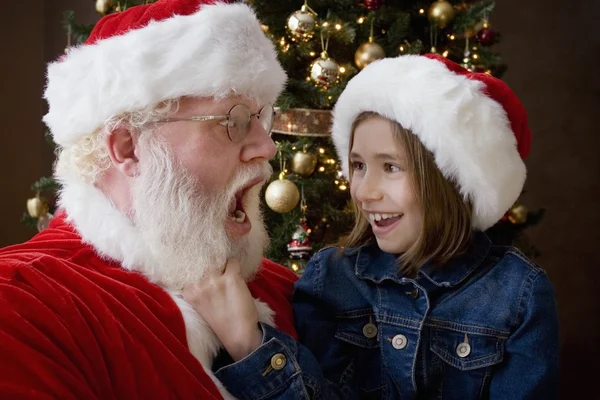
(183, 224)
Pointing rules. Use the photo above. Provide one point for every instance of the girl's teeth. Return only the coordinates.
(378, 217)
(239, 216)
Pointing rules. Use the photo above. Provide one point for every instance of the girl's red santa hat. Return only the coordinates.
(474, 125)
(160, 51)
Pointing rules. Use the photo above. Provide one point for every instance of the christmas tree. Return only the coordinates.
(321, 45)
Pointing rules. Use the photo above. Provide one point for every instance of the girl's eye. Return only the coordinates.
(357, 165)
(391, 168)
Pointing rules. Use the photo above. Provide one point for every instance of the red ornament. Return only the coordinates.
(373, 5)
(486, 36)
(300, 245)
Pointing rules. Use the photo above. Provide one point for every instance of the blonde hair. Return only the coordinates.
(88, 158)
(446, 230)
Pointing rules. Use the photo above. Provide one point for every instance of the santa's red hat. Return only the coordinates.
(160, 51)
(474, 125)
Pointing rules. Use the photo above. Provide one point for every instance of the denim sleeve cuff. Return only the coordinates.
(264, 372)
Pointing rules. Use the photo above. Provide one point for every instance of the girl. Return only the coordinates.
(417, 303)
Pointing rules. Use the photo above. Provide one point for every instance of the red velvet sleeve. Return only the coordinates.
(68, 335)
(274, 284)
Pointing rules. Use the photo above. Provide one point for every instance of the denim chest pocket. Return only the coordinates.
(358, 332)
(463, 362)
(467, 351)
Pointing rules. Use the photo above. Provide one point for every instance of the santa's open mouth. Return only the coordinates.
(236, 208)
(237, 211)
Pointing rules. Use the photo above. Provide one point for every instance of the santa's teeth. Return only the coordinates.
(239, 216)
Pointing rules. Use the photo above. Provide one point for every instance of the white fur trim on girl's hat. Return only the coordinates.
(473, 124)
(160, 51)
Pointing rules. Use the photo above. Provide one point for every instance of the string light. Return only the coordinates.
(295, 267)
(342, 70)
(343, 187)
(338, 26)
(445, 53)
(321, 169)
(452, 37)
(312, 53)
(421, 11)
(321, 150)
(361, 20)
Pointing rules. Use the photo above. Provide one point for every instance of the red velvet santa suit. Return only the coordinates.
(76, 326)
(73, 324)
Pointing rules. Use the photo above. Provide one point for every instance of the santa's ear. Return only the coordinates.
(121, 143)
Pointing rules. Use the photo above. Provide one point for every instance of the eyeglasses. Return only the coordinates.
(237, 121)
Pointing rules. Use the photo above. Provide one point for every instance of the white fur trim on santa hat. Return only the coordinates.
(467, 131)
(218, 51)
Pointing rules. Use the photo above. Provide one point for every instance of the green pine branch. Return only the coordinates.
(472, 15)
(45, 184)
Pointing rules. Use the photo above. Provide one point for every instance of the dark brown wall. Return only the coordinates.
(551, 47)
(21, 82)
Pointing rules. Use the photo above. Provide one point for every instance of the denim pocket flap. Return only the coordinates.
(467, 351)
(360, 331)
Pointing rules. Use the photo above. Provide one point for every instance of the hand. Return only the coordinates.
(224, 302)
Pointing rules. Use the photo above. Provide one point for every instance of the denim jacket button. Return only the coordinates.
(463, 350)
(399, 342)
(370, 330)
(278, 361)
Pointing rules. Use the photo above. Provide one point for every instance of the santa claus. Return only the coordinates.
(162, 119)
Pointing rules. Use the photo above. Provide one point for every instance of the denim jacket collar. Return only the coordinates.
(375, 265)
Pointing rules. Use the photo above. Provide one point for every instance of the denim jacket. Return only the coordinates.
(484, 326)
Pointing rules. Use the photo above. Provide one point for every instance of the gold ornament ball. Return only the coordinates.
(36, 207)
(282, 195)
(104, 6)
(304, 163)
(518, 214)
(301, 25)
(441, 13)
(324, 71)
(367, 53)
